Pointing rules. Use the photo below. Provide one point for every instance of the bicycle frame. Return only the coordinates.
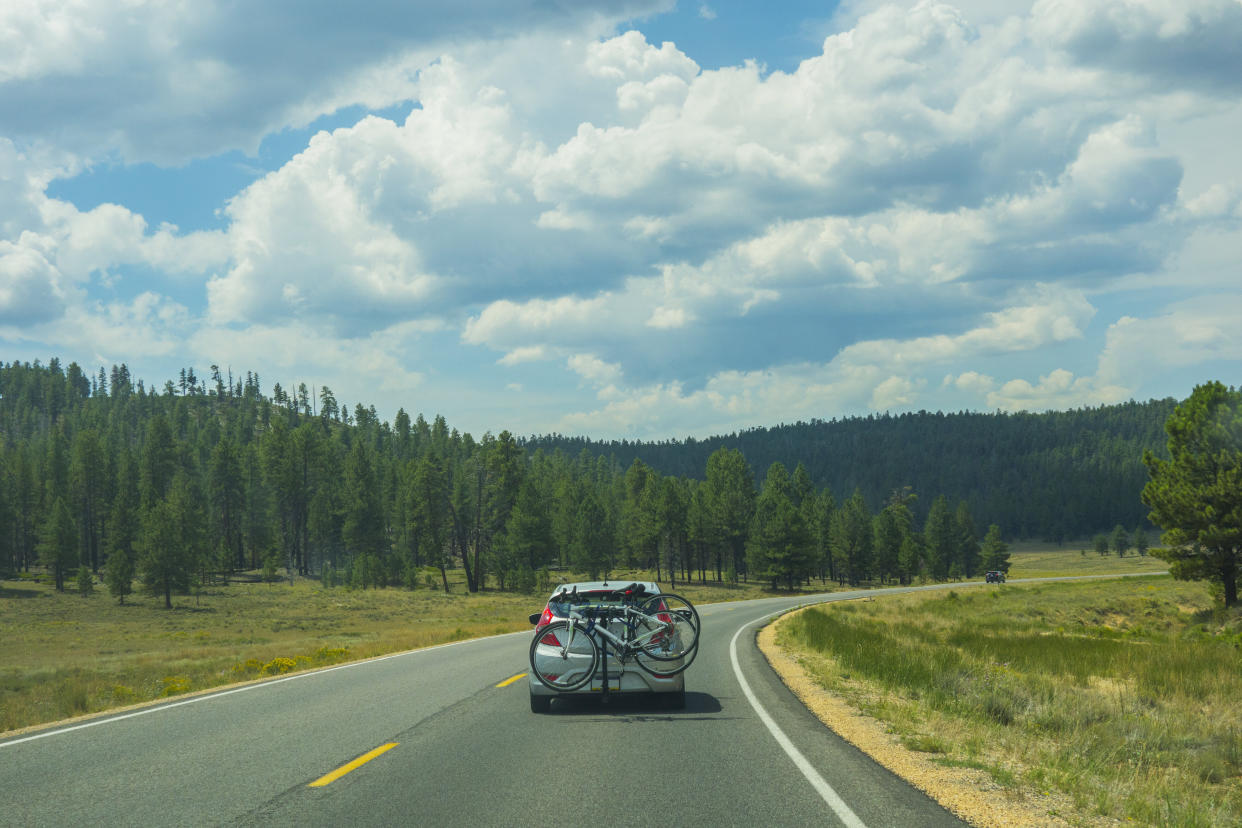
(623, 647)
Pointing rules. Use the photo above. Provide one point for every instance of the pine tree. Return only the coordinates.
(731, 503)
(170, 543)
(8, 521)
(995, 551)
(820, 524)
(159, 461)
(888, 540)
(363, 528)
(779, 544)
(226, 496)
(593, 541)
(1121, 540)
(967, 541)
(87, 474)
(431, 513)
(802, 489)
(58, 543)
(119, 573)
(55, 468)
(86, 580)
(123, 531)
(528, 535)
(1196, 495)
(940, 539)
(852, 536)
(637, 539)
(669, 518)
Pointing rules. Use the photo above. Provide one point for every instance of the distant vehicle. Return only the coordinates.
(995, 576)
(639, 674)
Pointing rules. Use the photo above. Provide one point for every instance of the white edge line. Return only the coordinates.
(209, 696)
(813, 776)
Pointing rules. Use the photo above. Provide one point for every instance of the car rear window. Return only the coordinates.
(605, 599)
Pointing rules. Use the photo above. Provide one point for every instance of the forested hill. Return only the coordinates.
(1055, 475)
(213, 476)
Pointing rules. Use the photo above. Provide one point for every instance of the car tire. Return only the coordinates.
(540, 704)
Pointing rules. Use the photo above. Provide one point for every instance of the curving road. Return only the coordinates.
(451, 747)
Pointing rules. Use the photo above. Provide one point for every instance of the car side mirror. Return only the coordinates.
(535, 616)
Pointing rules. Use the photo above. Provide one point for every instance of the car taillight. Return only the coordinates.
(550, 639)
(545, 619)
(664, 616)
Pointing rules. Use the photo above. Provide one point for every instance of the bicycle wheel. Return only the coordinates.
(670, 629)
(560, 669)
(663, 667)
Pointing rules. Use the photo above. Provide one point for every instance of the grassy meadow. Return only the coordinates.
(65, 654)
(1121, 694)
(1029, 559)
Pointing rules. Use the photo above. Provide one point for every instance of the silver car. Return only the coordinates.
(622, 676)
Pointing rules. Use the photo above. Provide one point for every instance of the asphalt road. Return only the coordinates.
(461, 750)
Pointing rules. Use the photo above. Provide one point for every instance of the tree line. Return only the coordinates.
(1052, 476)
(208, 477)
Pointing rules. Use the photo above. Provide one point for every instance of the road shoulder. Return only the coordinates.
(971, 795)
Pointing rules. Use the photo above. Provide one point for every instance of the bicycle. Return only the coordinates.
(660, 633)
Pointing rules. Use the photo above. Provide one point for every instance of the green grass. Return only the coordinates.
(64, 655)
(1045, 560)
(1122, 694)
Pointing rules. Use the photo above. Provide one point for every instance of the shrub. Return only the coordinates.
(409, 577)
(270, 563)
(330, 655)
(278, 666)
(174, 685)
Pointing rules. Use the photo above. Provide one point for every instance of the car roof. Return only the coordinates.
(608, 586)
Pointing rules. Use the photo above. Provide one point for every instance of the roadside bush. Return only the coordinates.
(277, 666)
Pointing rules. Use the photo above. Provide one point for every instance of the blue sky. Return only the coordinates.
(631, 219)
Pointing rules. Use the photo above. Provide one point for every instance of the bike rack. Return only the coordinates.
(604, 666)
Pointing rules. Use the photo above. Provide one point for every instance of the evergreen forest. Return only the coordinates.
(208, 477)
(1054, 476)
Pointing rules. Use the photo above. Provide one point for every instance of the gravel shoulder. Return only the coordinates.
(970, 794)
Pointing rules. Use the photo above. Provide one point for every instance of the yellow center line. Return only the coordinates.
(509, 681)
(354, 765)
